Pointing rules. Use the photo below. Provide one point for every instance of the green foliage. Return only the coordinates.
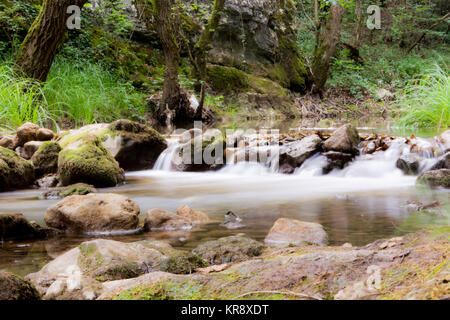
(76, 92)
(425, 102)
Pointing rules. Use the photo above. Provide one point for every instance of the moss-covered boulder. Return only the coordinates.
(14, 288)
(45, 159)
(229, 249)
(87, 160)
(15, 172)
(435, 178)
(227, 79)
(14, 226)
(133, 145)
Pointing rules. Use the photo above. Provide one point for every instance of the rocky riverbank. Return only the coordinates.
(294, 261)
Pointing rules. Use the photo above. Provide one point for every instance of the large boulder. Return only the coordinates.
(294, 232)
(94, 212)
(45, 158)
(293, 154)
(133, 145)
(435, 178)
(15, 172)
(16, 227)
(86, 160)
(139, 145)
(409, 163)
(345, 139)
(229, 249)
(14, 288)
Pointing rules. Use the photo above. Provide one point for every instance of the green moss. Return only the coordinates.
(227, 79)
(88, 161)
(184, 264)
(77, 189)
(45, 159)
(15, 172)
(267, 87)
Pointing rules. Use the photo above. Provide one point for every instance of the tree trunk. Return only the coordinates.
(203, 46)
(174, 99)
(327, 47)
(358, 23)
(39, 48)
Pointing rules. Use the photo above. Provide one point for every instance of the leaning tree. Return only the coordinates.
(38, 50)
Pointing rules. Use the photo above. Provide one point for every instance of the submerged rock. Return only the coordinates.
(230, 249)
(16, 227)
(80, 189)
(293, 154)
(94, 212)
(15, 172)
(14, 288)
(435, 178)
(409, 164)
(294, 232)
(86, 160)
(184, 219)
(45, 158)
(345, 139)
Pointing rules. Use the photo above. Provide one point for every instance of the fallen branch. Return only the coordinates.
(424, 34)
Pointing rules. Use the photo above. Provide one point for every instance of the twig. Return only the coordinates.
(278, 292)
(432, 27)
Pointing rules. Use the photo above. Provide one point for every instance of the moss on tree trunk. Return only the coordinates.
(45, 35)
(327, 47)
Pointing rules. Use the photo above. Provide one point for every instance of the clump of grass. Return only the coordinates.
(21, 100)
(77, 92)
(425, 102)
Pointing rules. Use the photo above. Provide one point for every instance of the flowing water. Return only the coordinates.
(366, 201)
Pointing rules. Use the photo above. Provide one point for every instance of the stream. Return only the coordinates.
(364, 202)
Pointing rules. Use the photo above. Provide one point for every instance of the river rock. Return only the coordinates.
(293, 154)
(15, 172)
(294, 232)
(443, 162)
(30, 148)
(16, 227)
(14, 288)
(229, 249)
(7, 142)
(345, 139)
(45, 158)
(80, 189)
(94, 212)
(336, 160)
(47, 181)
(87, 160)
(444, 140)
(45, 134)
(95, 261)
(409, 164)
(159, 219)
(194, 216)
(133, 145)
(27, 132)
(435, 178)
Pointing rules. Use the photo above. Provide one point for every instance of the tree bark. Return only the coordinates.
(38, 50)
(327, 47)
(203, 46)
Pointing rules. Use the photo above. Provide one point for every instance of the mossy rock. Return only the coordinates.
(15, 172)
(45, 159)
(79, 189)
(435, 178)
(88, 161)
(14, 288)
(227, 79)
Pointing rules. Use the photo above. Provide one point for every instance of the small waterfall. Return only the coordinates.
(164, 162)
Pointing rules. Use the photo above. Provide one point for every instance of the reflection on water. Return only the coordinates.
(359, 204)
